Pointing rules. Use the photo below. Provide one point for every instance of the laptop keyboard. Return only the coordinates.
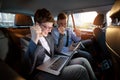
(58, 63)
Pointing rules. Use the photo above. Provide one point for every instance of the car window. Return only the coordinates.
(83, 20)
(6, 19)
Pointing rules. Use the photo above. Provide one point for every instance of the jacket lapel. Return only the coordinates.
(48, 39)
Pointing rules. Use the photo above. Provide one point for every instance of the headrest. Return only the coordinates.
(99, 20)
(23, 20)
(115, 10)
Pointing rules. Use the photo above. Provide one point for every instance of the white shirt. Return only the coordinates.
(46, 46)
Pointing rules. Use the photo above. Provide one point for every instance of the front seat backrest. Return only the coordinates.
(113, 39)
(113, 44)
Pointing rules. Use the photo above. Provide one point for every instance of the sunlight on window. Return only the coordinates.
(87, 17)
(6, 19)
(84, 20)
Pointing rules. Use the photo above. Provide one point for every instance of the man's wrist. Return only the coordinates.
(35, 40)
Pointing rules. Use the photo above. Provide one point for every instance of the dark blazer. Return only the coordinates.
(35, 54)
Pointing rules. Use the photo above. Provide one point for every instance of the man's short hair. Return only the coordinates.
(43, 15)
(61, 16)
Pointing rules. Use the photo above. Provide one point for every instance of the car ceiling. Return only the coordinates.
(55, 6)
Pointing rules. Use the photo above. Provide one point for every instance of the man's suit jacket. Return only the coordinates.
(35, 54)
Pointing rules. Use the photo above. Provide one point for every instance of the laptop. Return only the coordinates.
(74, 50)
(55, 65)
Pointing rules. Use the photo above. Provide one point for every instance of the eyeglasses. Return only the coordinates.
(46, 27)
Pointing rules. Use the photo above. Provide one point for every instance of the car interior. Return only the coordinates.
(103, 41)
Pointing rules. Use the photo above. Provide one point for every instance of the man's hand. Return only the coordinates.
(36, 32)
(61, 30)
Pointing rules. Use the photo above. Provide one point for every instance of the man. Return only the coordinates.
(65, 37)
(42, 43)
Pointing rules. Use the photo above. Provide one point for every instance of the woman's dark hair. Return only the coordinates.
(43, 15)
